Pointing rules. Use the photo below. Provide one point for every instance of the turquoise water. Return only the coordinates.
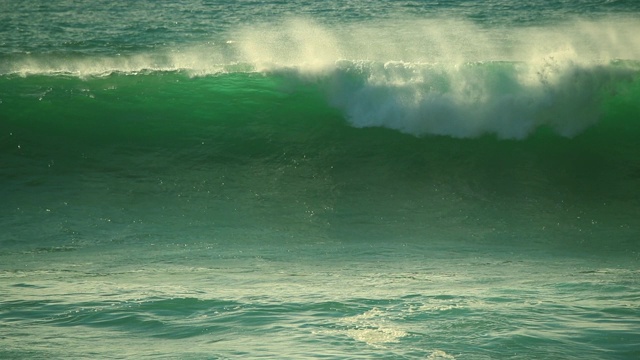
(375, 179)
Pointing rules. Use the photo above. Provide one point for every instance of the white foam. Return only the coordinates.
(372, 327)
(440, 355)
(189, 60)
(443, 76)
(506, 99)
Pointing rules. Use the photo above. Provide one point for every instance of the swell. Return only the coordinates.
(510, 100)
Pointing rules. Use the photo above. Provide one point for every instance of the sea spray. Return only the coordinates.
(510, 100)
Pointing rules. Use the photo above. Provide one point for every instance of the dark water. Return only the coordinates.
(439, 180)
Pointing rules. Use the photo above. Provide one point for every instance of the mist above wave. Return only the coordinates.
(312, 47)
(453, 77)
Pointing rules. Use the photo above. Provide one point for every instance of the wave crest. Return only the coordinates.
(510, 100)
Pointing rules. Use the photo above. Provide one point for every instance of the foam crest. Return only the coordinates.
(456, 78)
(508, 99)
(196, 61)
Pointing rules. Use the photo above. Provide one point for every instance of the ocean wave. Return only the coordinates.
(439, 76)
(510, 100)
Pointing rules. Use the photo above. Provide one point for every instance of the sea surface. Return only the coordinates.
(207, 179)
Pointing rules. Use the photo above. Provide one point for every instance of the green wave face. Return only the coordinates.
(510, 100)
(329, 152)
(401, 128)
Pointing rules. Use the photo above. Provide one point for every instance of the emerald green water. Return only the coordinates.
(375, 180)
